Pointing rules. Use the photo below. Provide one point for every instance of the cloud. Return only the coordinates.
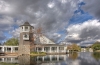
(6, 23)
(2, 37)
(15, 33)
(84, 33)
(92, 7)
(51, 15)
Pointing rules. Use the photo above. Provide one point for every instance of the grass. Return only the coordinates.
(97, 51)
(37, 53)
(3, 63)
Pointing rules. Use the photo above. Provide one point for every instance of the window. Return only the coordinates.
(46, 48)
(26, 28)
(9, 49)
(16, 48)
(61, 48)
(54, 48)
(39, 49)
(0, 48)
(25, 36)
(22, 27)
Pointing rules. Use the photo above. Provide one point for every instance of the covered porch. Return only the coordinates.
(51, 48)
(8, 49)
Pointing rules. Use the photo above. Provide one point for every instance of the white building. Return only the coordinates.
(41, 43)
(8, 49)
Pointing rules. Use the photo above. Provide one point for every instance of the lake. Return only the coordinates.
(82, 58)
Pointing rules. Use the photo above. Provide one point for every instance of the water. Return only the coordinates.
(83, 58)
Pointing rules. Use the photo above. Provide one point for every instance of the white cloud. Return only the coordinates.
(15, 33)
(56, 34)
(86, 32)
(51, 5)
(5, 7)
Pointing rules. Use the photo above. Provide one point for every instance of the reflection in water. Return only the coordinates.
(24, 60)
(73, 55)
(84, 58)
(9, 60)
(96, 55)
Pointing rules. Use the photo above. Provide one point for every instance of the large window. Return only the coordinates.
(61, 48)
(8, 49)
(26, 36)
(54, 48)
(39, 48)
(46, 49)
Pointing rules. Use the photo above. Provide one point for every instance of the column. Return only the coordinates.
(11, 49)
(50, 49)
(42, 58)
(37, 49)
(64, 57)
(57, 49)
(23, 28)
(42, 49)
(12, 60)
(65, 49)
(57, 57)
(2, 59)
(50, 58)
(3, 49)
(6, 49)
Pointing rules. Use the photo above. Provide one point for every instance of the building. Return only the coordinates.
(31, 41)
(8, 49)
(26, 34)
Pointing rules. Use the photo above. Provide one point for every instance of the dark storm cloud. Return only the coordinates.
(74, 41)
(92, 7)
(51, 15)
(2, 37)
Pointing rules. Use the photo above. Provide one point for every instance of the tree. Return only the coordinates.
(73, 47)
(96, 46)
(12, 41)
(96, 55)
(73, 55)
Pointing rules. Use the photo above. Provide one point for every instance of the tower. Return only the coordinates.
(26, 34)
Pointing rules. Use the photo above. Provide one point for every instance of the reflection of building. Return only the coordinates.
(38, 60)
(24, 60)
(86, 49)
(9, 60)
(51, 58)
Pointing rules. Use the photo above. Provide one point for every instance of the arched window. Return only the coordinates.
(25, 36)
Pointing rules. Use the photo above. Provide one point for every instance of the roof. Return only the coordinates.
(26, 24)
(49, 45)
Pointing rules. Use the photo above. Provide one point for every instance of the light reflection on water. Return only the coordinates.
(83, 58)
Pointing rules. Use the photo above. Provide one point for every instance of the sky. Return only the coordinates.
(70, 21)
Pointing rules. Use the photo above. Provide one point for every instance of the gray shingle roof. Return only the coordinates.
(26, 24)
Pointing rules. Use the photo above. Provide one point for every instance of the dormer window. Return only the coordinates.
(26, 28)
(22, 27)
